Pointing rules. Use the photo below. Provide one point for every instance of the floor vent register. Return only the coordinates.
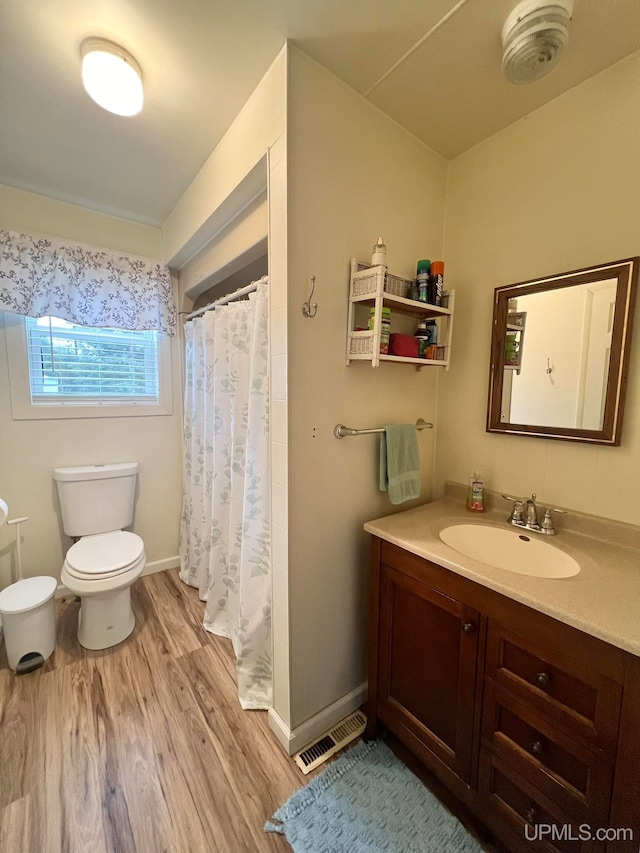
(331, 742)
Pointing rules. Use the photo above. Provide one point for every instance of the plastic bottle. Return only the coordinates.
(422, 279)
(436, 282)
(379, 255)
(385, 328)
(432, 332)
(475, 496)
(422, 334)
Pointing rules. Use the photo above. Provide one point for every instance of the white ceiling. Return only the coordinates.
(202, 58)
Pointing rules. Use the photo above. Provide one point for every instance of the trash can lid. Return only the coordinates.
(27, 594)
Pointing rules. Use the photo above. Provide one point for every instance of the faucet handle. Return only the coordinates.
(547, 522)
(516, 510)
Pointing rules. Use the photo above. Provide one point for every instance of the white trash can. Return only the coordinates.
(29, 621)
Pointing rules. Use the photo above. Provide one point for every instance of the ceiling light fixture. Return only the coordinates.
(111, 76)
(533, 38)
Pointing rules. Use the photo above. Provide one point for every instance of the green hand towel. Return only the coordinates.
(400, 463)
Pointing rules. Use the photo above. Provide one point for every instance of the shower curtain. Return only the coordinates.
(224, 535)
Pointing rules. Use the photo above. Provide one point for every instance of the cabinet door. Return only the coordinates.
(427, 667)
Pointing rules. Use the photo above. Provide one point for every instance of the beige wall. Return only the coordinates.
(38, 214)
(556, 191)
(29, 450)
(353, 175)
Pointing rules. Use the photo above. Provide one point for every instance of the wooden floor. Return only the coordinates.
(143, 747)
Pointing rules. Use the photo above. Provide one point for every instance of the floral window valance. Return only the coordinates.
(42, 276)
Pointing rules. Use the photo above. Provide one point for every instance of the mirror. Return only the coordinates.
(560, 352)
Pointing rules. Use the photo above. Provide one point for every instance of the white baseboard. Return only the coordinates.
(280, 729)
(297, 739)
(149, 569)
(161, 565)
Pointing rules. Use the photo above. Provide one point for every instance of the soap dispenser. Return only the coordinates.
(475, 495)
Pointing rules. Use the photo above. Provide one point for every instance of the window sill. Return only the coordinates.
(72, 410)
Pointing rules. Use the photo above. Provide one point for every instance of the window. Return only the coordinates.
(60, 369)
(70, 363)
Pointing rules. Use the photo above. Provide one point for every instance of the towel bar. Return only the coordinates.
(341, 431)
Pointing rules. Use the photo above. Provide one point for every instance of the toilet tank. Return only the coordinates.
(96, 498)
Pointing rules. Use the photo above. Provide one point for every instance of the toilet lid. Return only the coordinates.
(104, 554)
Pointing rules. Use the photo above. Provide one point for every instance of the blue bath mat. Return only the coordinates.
(366, 802)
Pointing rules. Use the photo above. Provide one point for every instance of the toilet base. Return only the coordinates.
(105, 619)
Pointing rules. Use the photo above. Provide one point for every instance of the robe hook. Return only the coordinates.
(310, 309)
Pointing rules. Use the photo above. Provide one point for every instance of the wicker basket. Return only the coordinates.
(397, 286)
(365, 283)
(361, 343)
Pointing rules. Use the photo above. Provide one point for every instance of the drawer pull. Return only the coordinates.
(543, 681)
(537, 748)
(468, 627)
(530, 815)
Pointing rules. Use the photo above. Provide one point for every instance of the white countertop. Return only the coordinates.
(602, 600)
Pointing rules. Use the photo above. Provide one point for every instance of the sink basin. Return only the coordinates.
(513, 550)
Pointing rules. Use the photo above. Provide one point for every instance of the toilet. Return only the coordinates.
(96, 503)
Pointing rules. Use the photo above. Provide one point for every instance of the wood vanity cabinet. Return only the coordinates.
(530, 722)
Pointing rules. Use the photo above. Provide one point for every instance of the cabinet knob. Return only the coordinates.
(537, 749)
(543, 681)
(468, 627)
(530, 815)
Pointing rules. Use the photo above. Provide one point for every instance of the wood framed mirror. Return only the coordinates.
(560, 354)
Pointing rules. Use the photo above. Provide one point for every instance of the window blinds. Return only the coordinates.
(73, 364)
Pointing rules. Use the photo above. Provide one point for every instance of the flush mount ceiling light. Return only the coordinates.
(111, 76)
(533, 38)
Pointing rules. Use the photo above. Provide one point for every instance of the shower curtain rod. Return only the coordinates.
(230, 297)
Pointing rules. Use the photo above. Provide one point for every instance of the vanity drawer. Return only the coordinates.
(527, 813)
(578, 778)
(582, 702)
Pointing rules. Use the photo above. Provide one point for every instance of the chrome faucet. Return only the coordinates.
(532, 514)
(524, 513)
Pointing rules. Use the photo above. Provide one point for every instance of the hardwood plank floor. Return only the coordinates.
(142, 748)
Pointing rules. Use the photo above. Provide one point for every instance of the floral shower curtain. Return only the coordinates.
(224, 537)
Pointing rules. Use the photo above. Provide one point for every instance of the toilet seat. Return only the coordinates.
(104, 555)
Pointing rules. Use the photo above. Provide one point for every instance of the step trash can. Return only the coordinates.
(28, 615)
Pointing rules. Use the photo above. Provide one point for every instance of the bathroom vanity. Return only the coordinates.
(520, 693)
